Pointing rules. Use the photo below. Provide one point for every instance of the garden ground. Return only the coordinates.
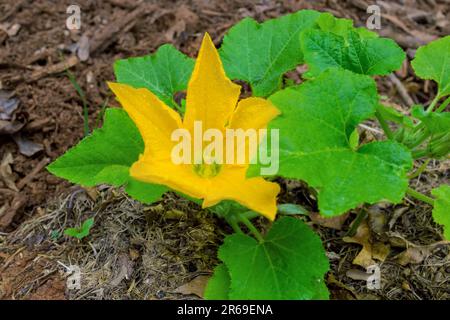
(167, 250)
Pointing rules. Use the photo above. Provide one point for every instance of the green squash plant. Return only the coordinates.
(318, 140)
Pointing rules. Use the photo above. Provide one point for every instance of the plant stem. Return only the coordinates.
(419, 196)
(385, 126)
(82, 95)
(250, 214)
(252, 228)
(433, 103)
(101, 113)
(177, 107)
(443, 105)
(422, 137)
(419, 170)
(234, 224)
(419, 153)
(354, 227)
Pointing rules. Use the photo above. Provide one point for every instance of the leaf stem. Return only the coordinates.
(384, 126)
(443, 105)
(422, 137)
(433, 103)
(417, 154)
(234, 224)
(82, 95)
(252, 228)
(419, 170)
(177, 107)
(420, 196)
(356, 223)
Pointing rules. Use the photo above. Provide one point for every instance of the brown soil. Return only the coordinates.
(33, 203)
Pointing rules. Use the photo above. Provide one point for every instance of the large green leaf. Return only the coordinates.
(163, 73)
(441, 210)
(106, 156)
(261, 53)
(341, 26)
(219, 284)
(315, 127)
(373, 56)
(433, 62)
(289, 264)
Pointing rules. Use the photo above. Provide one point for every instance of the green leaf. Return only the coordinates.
(436, 123)
(261, 53)
(163, 73)
(441, 210)
(393, 115)
(218, 285)
(289, 264)
(106, 156)
(144, 192)
(327, 22)
(81, 232)
(341, 26)
(371, 56)
(432, 61)
(315, 126)
(354, 140)
(292, 209)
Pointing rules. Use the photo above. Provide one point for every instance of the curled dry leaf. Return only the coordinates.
(10, 127)
(376, 219)
(8, 105)
(6, 172)
(196, 286)
(416, 254)
(371, 249)
(125, 269)
(27, 147)
(332, 223)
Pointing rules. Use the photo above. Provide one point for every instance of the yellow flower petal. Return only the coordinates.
(255, 193)
(178, 177)
(211, 96)
(253, 113)
(154, 119)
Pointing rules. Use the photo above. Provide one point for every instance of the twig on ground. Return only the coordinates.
(22, 183)
(401, 90)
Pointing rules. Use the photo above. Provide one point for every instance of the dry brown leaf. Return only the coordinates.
(376, 219)
(371, 249)
(6, 172)
(10, 127)
(92, 192)
(196, 286)
(184, 18)
(27, 147)
(8, 105)
(362, 236)
(416, 254)
(125, 267)
(333, 223)
(380, 251)
(340, 290)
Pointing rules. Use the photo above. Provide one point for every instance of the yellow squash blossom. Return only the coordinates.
(212, 99)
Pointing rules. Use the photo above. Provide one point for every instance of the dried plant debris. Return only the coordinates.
(132, 251)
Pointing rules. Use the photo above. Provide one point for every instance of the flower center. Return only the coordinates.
(207, 170)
